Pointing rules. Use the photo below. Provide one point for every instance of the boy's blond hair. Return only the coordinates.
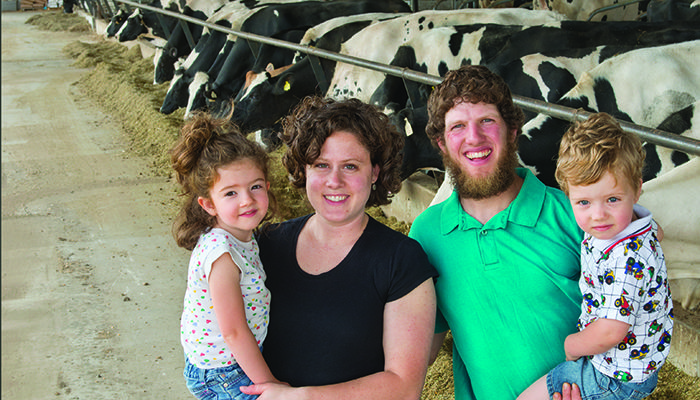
(597, 145)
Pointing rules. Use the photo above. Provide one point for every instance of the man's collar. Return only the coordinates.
(524, 210)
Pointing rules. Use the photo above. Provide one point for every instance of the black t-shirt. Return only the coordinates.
(328, 328)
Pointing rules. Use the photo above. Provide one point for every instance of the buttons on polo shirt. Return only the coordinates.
(488, 250)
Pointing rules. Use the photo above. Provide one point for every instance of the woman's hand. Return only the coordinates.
(271, 390)
(568, 392)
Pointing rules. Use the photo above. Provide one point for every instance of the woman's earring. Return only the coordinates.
(374, 186)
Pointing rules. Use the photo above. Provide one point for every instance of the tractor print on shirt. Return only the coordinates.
(591, 302)
(608, 277)
(651, 306)
(651, 367)
(664, 341)
(633, 245)
(634, 268)
(655, 327)
(629, 340)
(625, 307)
(623, 376)
(641, 353)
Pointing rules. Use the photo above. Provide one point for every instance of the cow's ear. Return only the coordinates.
(284, 84)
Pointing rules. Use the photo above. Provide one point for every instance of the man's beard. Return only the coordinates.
(469, 187)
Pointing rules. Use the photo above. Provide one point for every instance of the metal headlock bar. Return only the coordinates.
(651, 135)
(612, 7)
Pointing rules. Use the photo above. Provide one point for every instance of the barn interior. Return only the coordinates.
(127, 68)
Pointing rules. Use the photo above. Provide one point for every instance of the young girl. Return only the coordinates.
(224, 178)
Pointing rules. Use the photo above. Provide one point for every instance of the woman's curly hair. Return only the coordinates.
(306, 129)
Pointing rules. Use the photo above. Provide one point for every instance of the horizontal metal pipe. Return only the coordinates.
(655, 136)
(611, 7)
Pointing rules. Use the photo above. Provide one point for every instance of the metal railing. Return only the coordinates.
(613, 6)
(651, 135)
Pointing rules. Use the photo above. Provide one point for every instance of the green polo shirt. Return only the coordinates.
(507, 289)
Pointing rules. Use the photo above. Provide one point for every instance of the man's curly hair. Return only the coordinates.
(474, 84)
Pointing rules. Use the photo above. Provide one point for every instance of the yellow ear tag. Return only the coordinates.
(287, 86)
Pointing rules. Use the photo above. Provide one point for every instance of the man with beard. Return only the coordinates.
(506, 246)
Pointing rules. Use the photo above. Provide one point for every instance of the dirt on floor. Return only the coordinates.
(119, 80)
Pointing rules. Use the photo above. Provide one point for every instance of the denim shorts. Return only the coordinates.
(217, 383)
(595, 385)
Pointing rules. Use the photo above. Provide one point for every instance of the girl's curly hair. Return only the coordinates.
(207, 143)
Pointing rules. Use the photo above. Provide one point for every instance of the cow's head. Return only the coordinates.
(269, 96)
(116, 23)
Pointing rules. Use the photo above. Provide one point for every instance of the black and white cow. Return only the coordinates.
(673, 10)
(418, 152)
(199, 59)
(176, 47)
(271, 97)
(145, 22)
(282, 88)
(540, 62)
(581, 10)
(236, 12)
(202, 96)
(614, 87)
(207, 58)
(386, 37)
(274, 19)
(116, 22)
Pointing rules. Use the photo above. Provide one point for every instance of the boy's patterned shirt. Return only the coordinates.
(625, 279)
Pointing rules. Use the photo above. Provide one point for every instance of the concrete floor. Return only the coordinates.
(92, 282)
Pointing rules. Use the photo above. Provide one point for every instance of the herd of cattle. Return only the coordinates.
(638, 63)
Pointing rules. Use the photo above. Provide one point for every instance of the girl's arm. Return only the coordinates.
(409, 323)
(225, 287)
(596, 338)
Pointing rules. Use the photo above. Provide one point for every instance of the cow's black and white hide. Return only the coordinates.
(116, 22)
(272, 20)
(199, 59)
(271, 94)
(176, 47)
(241, 51)
(614, 87)
(145, 22)
(208, 56)
(386, 37)
(540, 62)
(581, 10)
(673, 10)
